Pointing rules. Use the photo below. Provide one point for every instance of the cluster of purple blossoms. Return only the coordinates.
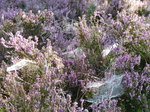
(52, 50)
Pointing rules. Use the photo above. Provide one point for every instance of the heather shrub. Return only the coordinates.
(69, 8)
(74, 56)
(34, 87)
(136, 82)
(135, 5)
(29, 24)
(129, 30)
(90, 40)
(132, 33)
(106, 106)
(136, 35)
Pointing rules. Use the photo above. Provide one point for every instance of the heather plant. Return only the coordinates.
(29, 24)
(101, 42)
(136, 35)
(36, 85)
(27, 48)
(106, 106)
(70, 8)
(90, 40)
(137, 43)
(135, 5)
(136, 82)
(98, 36)
(129, 30)
(32, 24)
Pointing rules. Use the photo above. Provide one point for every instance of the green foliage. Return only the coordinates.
(32, 29)
(134, 105)
(142, 12)
(31, 24)
(90, 40)
(3, 109)
(90, 11)
(141, 49)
